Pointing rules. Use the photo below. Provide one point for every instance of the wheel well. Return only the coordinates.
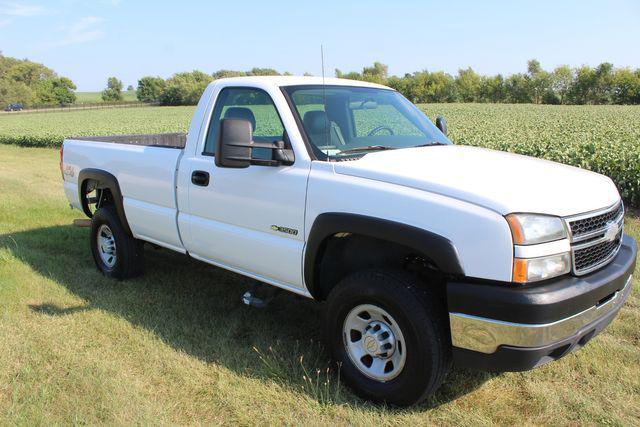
(99, 188)
(102, 196)
(345, 253)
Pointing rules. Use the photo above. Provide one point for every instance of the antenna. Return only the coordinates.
(322, 62)
(324, 102)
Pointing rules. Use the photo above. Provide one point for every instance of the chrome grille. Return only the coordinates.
(590, 224)
(595, 238)
(596, 254)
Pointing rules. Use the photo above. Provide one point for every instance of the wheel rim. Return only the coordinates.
(107, 246)
(374, 342)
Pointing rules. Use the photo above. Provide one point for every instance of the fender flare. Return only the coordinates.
(439, 249)
(104, 180)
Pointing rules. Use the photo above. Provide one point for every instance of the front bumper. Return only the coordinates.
(504, 328)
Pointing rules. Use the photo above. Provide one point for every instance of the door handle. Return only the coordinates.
(200, 178)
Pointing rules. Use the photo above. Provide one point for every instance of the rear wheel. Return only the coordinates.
(116, 253)
(389, 335)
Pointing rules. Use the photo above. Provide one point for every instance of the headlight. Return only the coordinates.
(535, 269)
(529, 229)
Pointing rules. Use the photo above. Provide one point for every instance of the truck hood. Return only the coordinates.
(503, 182)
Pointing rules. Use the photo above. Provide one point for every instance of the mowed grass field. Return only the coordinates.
(92, 97)
(178, 347)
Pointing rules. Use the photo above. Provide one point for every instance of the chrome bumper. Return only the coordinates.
(486, 335)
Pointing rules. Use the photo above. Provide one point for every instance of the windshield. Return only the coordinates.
(347, 121)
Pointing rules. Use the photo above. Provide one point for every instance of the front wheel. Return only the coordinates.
(389, 335)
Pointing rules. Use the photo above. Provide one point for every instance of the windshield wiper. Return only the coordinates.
(430, 144)
(367, 148)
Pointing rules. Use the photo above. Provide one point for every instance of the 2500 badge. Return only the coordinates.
(287, 230)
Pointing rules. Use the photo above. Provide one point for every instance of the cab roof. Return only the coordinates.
(295, 81)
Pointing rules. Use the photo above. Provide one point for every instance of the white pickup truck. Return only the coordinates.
(426, 253)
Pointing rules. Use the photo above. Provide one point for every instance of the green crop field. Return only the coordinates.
(177, 346)
(91, 97)
(604, 139)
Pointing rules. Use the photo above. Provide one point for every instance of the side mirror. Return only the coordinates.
(235, 146)
(233, 149)
(441, 124)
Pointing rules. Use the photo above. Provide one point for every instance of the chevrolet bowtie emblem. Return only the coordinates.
(612, 231)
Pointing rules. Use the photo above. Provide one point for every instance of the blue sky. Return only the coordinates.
(91, 40)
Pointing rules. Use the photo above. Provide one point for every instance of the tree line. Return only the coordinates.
(33, 84)
(603, 84)
(186, 88)
(29, 83)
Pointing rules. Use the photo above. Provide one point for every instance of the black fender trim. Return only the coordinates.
(104, 180)
(439, 249)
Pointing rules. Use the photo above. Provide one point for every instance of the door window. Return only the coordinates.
(251, 104)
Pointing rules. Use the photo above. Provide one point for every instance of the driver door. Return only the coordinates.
(249, 220)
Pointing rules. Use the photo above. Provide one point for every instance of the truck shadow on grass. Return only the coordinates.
(197, 309)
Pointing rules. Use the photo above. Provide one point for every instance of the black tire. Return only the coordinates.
(422, 319)
(129, 252)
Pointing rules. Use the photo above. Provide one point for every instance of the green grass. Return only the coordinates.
(92, 97)
(177, 346)
(605, 139)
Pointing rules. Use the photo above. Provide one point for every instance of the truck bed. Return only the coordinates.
(145, 168)
(168, 140)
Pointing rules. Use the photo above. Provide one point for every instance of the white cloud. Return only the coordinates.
(4, 22)
(84, 30)
(16, 9)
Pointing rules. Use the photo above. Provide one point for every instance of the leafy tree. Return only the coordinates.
(403, 85)
(492, 89)
(517, 88)
(130, 88)
(262, 72)
(603, 90)
(352, 75)
(56, 91)
(29, 73)
(220, 74)
(378, 73)
(539, 82)
(115, 84)
(562, 79)
(533, 67)
(626, 86)
(432, 87)
(150, 89)
(113, 92)
(28, 83)
(15, 92)
(468, 83)
(583, 86)
(63, 89)
(185, 88)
